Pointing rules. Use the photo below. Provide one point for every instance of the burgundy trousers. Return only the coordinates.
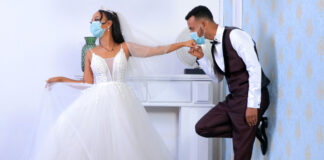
(227, 120)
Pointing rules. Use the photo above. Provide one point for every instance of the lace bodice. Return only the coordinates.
(109, 69)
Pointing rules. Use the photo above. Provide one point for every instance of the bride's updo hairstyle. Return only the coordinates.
(115, 28)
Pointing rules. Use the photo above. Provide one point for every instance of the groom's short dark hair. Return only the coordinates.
(200, 12)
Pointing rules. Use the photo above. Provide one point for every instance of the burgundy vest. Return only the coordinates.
(235, 70)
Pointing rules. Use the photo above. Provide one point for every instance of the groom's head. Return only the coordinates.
(198, 19)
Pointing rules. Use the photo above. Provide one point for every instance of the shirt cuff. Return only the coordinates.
(202, 60)
(254, 102)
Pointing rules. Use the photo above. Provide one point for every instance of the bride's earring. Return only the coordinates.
(108, 28)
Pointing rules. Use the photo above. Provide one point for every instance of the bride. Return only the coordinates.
(107, 121)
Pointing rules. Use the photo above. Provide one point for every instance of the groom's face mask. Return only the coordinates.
(200, 40)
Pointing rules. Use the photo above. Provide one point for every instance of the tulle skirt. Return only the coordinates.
(106, 121)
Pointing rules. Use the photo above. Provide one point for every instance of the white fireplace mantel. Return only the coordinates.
(193, 96)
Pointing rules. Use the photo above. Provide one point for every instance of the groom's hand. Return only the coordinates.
(251, 116)
(196, 51)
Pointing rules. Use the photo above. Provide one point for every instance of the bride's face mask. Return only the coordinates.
(96, 26)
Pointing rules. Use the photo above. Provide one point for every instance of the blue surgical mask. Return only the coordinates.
(96, 30)
(199, 40)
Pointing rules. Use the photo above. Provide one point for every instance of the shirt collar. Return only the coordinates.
(219, 34)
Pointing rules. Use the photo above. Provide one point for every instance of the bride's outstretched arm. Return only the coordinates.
(87, 75)
(138, 50)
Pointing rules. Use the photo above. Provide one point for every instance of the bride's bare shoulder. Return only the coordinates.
(90, 52)
(95, 49)
(126, 50)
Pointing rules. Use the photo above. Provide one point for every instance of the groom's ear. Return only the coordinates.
(204, 23)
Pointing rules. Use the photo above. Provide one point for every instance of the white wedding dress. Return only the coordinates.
(106, 122)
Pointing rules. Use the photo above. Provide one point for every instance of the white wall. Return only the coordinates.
(43, 38)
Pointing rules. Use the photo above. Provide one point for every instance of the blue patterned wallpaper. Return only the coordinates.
(227, 19)
(290, 41)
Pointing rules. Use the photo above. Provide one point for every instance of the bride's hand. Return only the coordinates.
(54, 79)
(191, 43)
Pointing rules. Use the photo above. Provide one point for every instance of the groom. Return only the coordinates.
(235, 57)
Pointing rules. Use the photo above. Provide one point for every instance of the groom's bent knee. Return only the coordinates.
(201, 129)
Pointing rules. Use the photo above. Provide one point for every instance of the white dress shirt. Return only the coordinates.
(244, 46)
